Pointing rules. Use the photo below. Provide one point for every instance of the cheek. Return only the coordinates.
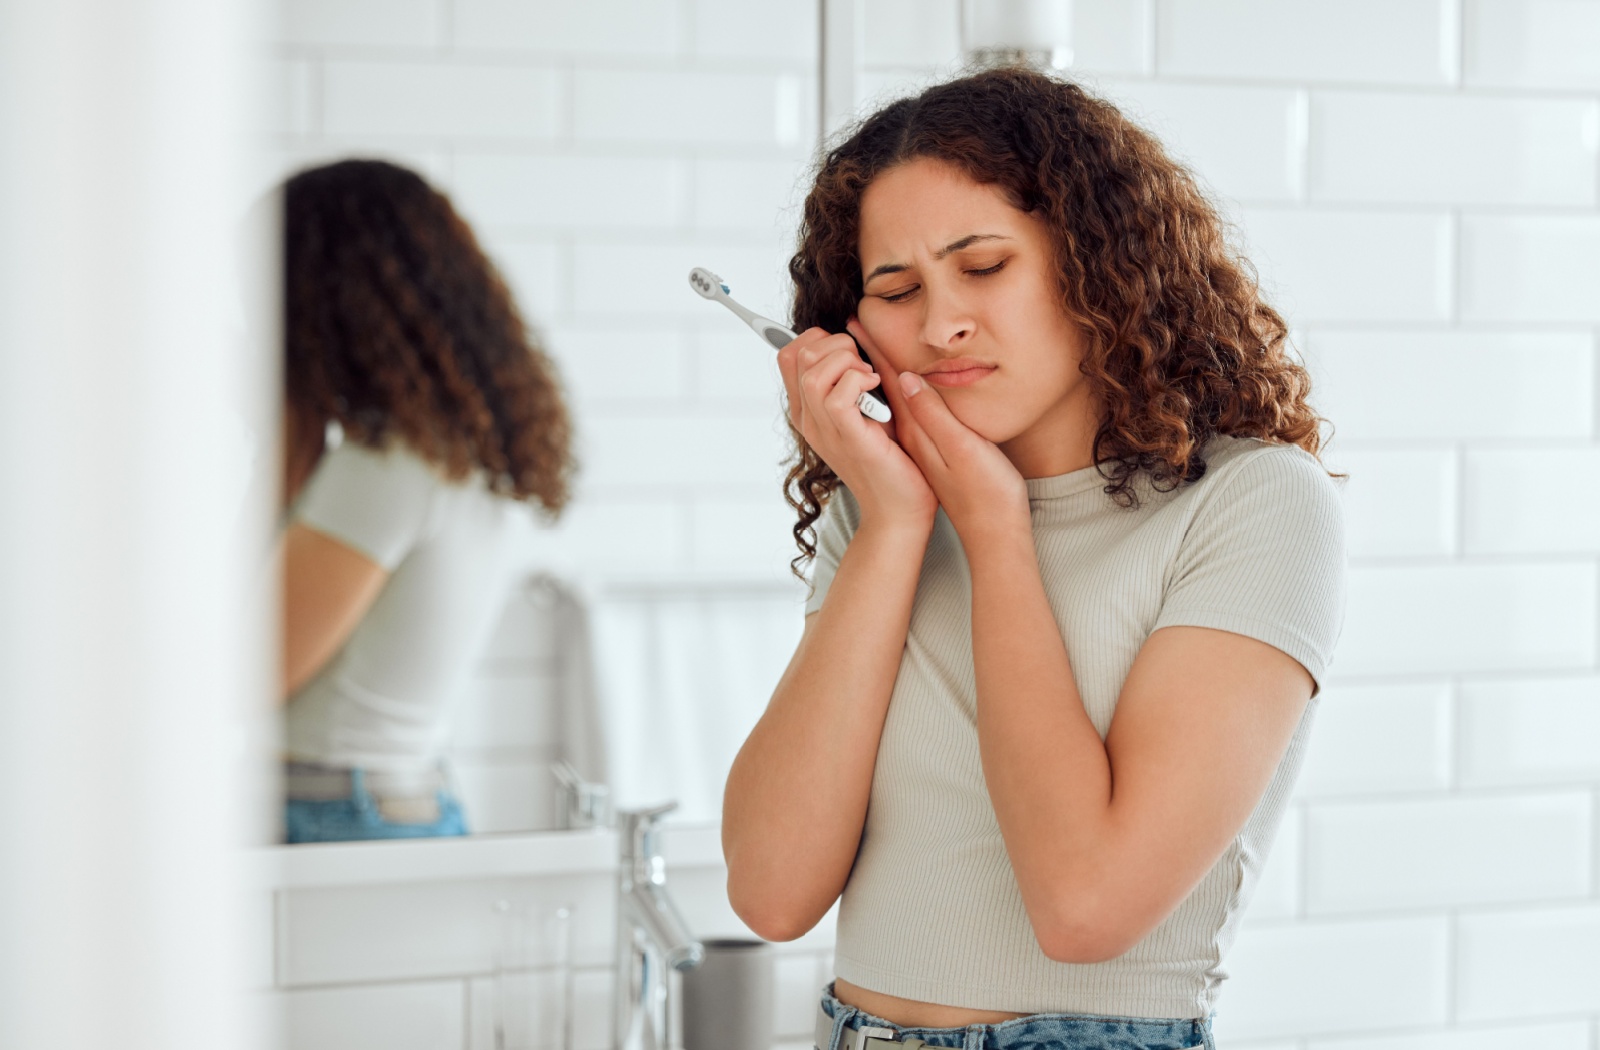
(892, 331)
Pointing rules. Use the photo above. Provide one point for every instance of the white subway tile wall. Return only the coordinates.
(1532, 44)
(1418, 182)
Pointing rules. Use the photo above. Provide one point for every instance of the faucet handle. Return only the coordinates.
(639, 830)
(585, 804)
(646, 818)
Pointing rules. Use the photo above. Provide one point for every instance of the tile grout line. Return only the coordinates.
(1458, 495)
(1452, 965)
(1594, 844)
(1594, 383)
(1458, 268)
(1453, 732)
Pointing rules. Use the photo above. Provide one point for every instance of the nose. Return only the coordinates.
(947, 323)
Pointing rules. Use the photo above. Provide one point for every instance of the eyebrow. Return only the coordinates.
(954, 246)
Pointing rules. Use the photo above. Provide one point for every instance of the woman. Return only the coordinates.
(399, 331)
(1068, 611)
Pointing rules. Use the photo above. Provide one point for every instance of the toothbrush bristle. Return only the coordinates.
(706, 283)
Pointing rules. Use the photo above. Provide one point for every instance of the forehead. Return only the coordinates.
(925, 204)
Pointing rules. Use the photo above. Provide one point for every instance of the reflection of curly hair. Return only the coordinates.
(398, 327)
(1179, 344)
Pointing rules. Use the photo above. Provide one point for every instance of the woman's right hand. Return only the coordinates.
(824, 375)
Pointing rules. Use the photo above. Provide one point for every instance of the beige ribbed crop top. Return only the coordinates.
(932, 911)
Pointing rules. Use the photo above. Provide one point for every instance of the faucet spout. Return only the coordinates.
(663, 924)
(652, 937)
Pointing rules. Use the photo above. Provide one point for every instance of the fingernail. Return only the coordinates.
(910, 383)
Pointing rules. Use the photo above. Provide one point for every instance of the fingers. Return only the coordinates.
(820, 370)
(906, 430)
(789, 368)
(822, 364)
(880, 364)
(841, 402)
(930, 412)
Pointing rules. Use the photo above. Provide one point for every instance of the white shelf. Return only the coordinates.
(470, 857)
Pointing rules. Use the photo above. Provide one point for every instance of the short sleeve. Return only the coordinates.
(1265, 557)
(376, 501)
(839, 521)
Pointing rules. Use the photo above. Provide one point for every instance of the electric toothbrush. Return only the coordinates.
(710, 286)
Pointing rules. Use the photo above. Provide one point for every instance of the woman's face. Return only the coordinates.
(961, 287)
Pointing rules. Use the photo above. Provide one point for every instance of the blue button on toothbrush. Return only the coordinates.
(710, 286)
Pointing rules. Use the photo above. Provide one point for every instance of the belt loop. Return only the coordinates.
(840, 1020)
(359, 794)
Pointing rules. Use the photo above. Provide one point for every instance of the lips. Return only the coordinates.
(960, 371)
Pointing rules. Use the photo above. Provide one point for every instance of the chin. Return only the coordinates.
(990, 422)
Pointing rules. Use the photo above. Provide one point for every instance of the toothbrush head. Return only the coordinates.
(708, 284)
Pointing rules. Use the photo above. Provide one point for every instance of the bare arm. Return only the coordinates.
(797, 794)
(1106, 837)
(327, 588)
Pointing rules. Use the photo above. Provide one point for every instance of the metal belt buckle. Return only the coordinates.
(872, 1036)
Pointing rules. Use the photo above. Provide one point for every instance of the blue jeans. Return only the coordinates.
(357, 818)
(1040, 1031)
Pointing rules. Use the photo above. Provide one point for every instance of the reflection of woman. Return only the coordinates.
(399, 330)
(1068, 613)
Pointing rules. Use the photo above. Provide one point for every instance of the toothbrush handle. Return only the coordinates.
(872, 403)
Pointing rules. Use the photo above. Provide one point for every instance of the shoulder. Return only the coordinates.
(380, 501)
(396, 460)
(390, 473)
(1272, 472)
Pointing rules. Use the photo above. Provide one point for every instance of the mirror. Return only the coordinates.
(642, 631)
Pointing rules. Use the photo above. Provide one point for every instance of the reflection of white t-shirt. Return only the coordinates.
(383, 702)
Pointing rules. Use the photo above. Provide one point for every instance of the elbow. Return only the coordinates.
(1075, 935)
(768, 915)
(775, 926)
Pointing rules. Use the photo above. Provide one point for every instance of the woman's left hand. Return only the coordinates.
(978, 487)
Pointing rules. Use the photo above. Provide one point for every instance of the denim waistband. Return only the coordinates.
(1044, 1031)
(310, 782)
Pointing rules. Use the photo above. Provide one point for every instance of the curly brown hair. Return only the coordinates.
(399, 327)
(1179, 344)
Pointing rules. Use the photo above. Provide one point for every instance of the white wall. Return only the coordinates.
(1417, 180)
(133, 635)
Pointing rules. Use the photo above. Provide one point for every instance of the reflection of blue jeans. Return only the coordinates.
(1038, 1031)
(357, 817)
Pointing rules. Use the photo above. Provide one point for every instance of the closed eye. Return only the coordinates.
(900, 297)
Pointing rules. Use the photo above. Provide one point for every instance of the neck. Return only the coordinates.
(1060, 441)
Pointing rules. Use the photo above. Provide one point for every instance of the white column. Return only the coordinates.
(132, 635)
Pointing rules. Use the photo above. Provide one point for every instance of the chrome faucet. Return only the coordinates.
(651, 936)
(584, 804)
